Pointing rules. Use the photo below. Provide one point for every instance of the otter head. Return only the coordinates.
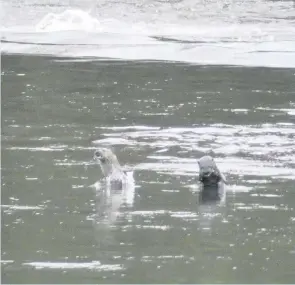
(108, 161)
(209, 173)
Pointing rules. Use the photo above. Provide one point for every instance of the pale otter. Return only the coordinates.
(110, 167)
(116, 190)
(212, 180)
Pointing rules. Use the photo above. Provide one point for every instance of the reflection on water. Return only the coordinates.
(110, 201)
(215, 194)
(212, 200)
(208, 213)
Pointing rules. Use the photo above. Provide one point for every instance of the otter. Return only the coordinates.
(110, 167)
(117, 190)
(212, 180)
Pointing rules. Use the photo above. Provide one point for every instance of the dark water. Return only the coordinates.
(159, 118)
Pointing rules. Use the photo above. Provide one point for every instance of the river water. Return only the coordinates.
(68, 88)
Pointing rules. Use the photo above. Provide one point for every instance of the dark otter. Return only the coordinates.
(211, 178)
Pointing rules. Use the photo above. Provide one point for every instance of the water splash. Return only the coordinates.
(69, 20)
(250, 33)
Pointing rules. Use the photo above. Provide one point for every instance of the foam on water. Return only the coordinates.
(6, 261)
(49, 149)
(94, 265)
(68, 20)
(20, 207)
(255, 33)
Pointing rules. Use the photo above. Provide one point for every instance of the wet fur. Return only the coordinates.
(110, 167)
(212, 181)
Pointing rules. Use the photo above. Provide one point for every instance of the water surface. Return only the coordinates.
(229, 32)
(159, 118)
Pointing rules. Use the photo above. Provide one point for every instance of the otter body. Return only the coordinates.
(110, 167)
(212, 181)
(116, 189)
